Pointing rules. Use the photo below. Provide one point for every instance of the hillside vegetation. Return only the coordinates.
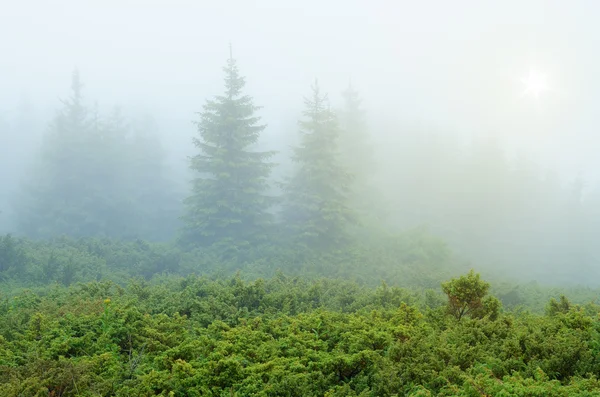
(288, 336)
(118, 281)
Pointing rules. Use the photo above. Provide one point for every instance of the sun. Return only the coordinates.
(535, 84)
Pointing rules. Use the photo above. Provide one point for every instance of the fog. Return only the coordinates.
(430, 73)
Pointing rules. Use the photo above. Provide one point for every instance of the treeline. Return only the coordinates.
(287, 336)
(96, 175)
(414, 261)
(99, 175)
(502, 211)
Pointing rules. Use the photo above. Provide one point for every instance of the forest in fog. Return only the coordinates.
(101, 172)
(266, 198)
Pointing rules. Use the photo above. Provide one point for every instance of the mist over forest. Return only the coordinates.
(447, 141)
(299, 198)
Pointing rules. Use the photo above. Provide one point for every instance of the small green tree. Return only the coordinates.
(562, 306)
(467, 297)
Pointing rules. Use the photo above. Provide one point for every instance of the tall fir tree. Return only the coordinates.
(78, 184)
(109, 176)
(356, 152)
(156, 195)
(229, 204)
(358, 156)
(316, 208)
(55, 198)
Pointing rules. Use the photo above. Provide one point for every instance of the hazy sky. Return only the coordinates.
(452, 65)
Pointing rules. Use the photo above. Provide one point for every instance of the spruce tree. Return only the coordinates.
(229, 205)
(155, 193)
(56, 196)
(357, 155)
(356, 152)
(316, 207)
(109, 178)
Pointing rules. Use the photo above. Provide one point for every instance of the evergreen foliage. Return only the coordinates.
(283, 336)
(99, 174)
(357, 155)
(88, 307)
(356, 151)
(92, 178)
(317, 210)
(154, 193)
(229, 206)
(57, 197)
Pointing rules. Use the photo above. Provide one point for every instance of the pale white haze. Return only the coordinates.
(521, 76)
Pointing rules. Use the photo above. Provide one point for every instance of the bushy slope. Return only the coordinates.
(284, 336)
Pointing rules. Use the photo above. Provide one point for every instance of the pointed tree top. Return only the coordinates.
(350, 89)
(76, 84)
(233, 81)
(316, 88)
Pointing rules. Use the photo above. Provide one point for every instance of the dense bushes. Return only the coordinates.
(410, 259)
(90, 317)
(283, 336)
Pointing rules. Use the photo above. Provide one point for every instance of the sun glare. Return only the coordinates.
(536, 83)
